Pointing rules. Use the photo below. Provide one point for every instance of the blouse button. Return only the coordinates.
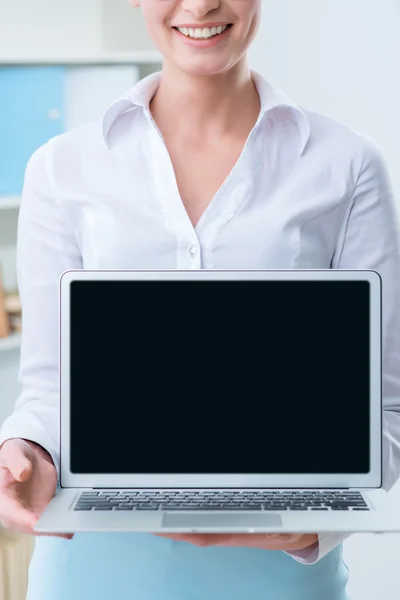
(193, 250)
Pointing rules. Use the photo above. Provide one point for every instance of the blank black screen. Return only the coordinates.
(197, 377)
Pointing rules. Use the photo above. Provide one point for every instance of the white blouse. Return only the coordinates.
(306, 192)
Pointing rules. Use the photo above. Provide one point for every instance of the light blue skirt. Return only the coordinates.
(126, 566)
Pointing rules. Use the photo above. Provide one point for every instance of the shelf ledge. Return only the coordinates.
(12, 342)
(138, 57)
(9, 202)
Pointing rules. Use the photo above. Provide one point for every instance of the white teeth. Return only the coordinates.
(205, 33)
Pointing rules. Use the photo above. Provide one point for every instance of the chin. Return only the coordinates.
(204, 67)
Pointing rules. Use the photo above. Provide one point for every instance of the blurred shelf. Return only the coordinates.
(7, 202)
(139, 57)
(11, 342)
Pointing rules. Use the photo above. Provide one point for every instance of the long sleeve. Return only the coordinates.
(46, 247)
(370, 239)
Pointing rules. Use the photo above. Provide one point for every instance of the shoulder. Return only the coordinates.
(87, 147)
(334, 140)
(67, 145)
(64, 156)
(77, 143)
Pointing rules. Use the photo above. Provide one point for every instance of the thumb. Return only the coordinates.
(21, 470)
(14, 456)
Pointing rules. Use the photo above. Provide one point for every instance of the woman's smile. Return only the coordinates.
(203, 36)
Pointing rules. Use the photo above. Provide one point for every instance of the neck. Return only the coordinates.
(210, 106)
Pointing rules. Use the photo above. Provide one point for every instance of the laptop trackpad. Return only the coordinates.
(204, 520)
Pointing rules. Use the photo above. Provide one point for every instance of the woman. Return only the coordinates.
(204, 165)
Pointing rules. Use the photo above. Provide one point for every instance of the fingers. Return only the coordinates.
(16, 467)
(288, 538)
(21, 469)
(66, 536)
(14, 456)
(267, 541)
(15, 516)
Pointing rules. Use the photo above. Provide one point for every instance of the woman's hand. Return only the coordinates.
(264, 541)
(28, 480)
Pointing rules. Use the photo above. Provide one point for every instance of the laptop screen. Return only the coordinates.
(229, 377)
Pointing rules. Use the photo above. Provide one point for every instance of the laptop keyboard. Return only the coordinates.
(259, 500)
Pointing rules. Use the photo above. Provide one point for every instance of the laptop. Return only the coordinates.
(221, 401)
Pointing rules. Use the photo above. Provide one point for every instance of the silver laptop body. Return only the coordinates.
(218, 502)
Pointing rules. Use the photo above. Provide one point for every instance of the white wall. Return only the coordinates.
(72, 28)
(338, 57)
(9, 384)
(41, 25)
(341, 58)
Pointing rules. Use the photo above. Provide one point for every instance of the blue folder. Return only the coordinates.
(31, 112)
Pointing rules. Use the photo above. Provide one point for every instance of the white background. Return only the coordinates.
(341, 58)
(338, 57)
